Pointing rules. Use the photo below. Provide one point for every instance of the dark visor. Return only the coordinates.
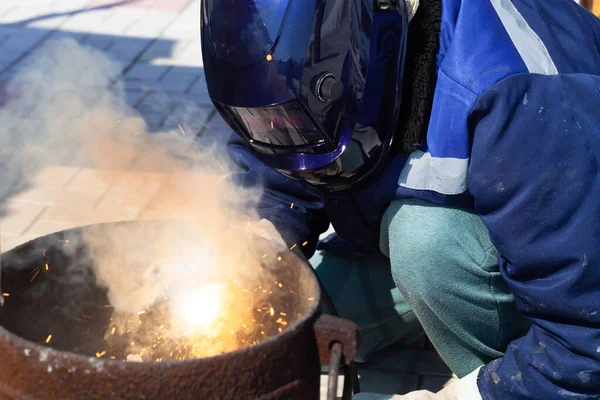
(285, 125)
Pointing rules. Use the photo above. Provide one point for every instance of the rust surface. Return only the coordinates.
(285, 366)
(330, 330)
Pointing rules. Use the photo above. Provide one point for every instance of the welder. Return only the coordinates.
(454, 146)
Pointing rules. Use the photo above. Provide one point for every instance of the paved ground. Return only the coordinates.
(157, 45)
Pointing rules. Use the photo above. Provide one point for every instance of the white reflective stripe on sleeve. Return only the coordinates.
(529, 45)
(443, 175)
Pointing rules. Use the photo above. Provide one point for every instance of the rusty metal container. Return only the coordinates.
(285, 366)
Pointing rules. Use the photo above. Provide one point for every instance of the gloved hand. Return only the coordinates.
(462, 389)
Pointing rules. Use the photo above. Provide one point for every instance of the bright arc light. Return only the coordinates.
(200, 308)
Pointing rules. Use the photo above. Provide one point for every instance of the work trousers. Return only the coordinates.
(442, 278)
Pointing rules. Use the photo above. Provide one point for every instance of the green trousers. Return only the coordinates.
(442, 278)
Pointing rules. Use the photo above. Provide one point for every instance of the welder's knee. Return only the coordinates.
(432, 248)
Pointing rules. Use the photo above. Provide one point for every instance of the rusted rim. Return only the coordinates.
(23, 344)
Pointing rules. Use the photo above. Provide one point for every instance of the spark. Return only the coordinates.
(292, 205)
(304, 244)
(181, 129)
(282, 313)
(99, 355)
(280, 330)
(269, 57)
(112, 332)
(137, 133)
(48, 338)
(293, 247)
(265, 256)
(279, 258)
(63, 241)
(272, 125)
(113, 357)
(141, 312)
(271, 311)
(35, 274)
(280, 284)
(311, 298)
(47, 267)
(5, 294)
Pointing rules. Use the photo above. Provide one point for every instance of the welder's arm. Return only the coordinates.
(534, 174)
(295, 210)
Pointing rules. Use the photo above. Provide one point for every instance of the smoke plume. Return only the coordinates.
(64, 108)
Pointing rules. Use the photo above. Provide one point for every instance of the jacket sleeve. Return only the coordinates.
(534, 175)
(295, 210)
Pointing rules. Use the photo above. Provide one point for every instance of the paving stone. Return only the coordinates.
(19, 217)
(89, 180)
(151, 86)
(159, 49)
(47, 186)
(132, 191)
(92, 22)
(151, 24)
(128, 49)
(165, 5)
(9, 242)
(191, 118)
(60, 35)
(42, 228)
(146, 72)
(200, 87)
(120, 21)
(101, 42)
(133, 97)
(81, 216)
(179, 74)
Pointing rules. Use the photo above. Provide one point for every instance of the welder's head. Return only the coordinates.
(314, 86)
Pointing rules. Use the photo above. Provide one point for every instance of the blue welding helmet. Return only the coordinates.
(314, 86)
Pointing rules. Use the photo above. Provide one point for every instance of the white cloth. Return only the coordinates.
(462, 389)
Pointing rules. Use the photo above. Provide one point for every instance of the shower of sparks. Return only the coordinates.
(207, 321)
(48, 338)
(181, 129)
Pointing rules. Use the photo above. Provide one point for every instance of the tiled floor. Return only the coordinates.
(156, 45)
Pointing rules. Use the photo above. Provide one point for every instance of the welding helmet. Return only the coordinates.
(314, 86)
